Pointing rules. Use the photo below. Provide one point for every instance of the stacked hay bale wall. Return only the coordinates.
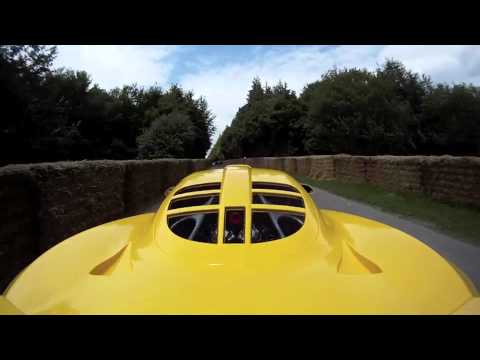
(454, 179)
(323, 168)
(19, 226)
(398, 173)
(448, 178)
(43, 204)
(350, 168)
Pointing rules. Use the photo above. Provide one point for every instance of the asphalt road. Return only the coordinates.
(464, 255)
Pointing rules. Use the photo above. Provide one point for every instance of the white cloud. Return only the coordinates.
(225, 86)
(444, 63)
(117, 65)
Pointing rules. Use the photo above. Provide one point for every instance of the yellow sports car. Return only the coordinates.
(241, 240)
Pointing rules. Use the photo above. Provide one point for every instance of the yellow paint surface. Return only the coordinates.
(335, 264)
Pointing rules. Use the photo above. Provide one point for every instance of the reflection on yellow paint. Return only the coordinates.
(336, 263)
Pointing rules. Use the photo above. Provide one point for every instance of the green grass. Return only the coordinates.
(459, 221)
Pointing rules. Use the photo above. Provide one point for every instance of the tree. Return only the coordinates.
(387, 111)
(256, 93)
(451, 120)
(354, 111)
(176, 99)
(271, 123)
(52, 115)
(167, 137)
(23, 69)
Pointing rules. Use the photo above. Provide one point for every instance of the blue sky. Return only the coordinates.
(222, 74)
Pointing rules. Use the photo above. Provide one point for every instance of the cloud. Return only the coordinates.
(444, 63)
(223, 75)
(117, 65)
(225, 86)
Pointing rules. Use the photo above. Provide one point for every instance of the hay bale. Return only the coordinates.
(454, 179)
(145, 183)
(322, 167)
(350, 168)
(75, 196)
(18, 233)
(290, 165)
(399, 173)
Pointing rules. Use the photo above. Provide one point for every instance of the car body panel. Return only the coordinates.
(336, 263)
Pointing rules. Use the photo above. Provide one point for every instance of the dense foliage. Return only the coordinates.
(51, 115)
(271, 123)
(59, 114)
(388, 111)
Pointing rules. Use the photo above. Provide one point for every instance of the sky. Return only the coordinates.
(223, 74)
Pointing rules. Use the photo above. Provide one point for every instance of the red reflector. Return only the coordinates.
(235, 218)
(234, 226)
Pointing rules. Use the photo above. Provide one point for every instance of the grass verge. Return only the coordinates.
(460, 221)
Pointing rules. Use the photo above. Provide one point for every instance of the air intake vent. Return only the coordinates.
(273, 186)
(200, 187)
(278, 200)
(193, 201)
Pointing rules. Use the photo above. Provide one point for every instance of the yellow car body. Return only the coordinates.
(333, 263)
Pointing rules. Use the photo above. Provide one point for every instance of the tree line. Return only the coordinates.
(52, 114)
(58, 114)
(387, 111)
